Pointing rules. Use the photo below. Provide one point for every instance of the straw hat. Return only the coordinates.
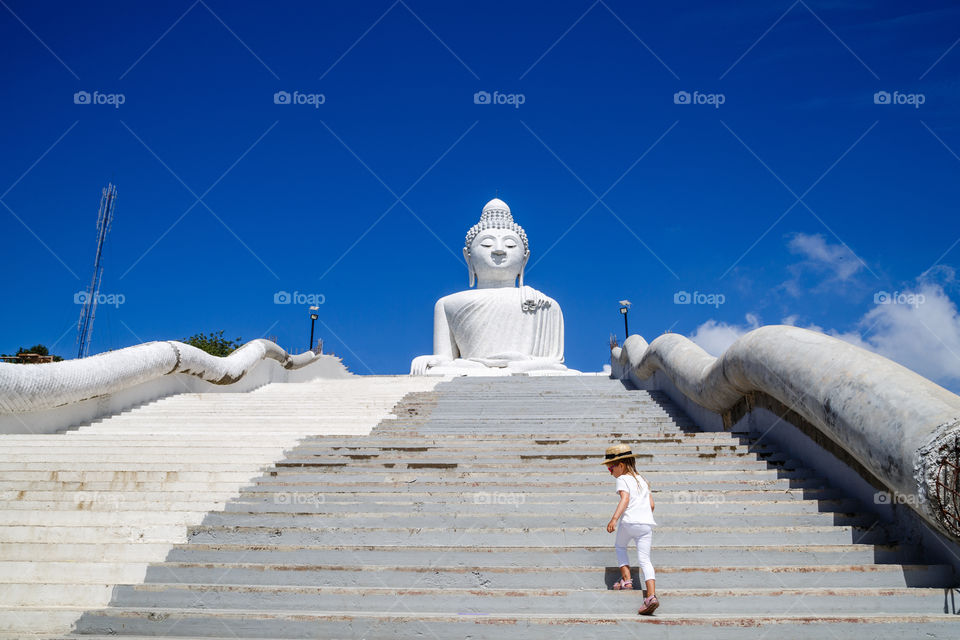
(618, 452)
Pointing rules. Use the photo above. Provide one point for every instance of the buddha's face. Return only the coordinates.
(496, 256)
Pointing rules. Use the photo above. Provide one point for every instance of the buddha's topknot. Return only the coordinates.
(496, 215)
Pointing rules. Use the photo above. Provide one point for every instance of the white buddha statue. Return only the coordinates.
(497, 328)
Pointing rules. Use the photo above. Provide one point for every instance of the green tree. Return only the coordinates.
(214, 343)
(39, 349)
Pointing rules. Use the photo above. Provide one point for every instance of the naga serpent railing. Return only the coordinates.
(36, 387)
(903, 428)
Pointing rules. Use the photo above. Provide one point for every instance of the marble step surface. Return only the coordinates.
(92, 507)
(325, 539)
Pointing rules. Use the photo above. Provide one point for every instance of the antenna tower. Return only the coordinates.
(89, 311)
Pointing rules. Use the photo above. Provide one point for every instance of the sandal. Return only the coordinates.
(649, 606)
(623, 585)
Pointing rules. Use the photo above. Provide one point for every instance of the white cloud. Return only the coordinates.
(828, 265)
(919, 328)
(821, 255)
(714, 337)
(792, 321)
(923, 336)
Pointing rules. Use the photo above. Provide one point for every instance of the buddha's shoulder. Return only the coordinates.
(545, 296)
(471, 295)
(461, 297)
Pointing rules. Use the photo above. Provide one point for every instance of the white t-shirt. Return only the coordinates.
(638, 509)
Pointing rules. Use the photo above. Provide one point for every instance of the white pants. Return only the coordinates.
(643, 534)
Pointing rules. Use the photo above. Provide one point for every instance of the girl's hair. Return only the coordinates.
(631, 467)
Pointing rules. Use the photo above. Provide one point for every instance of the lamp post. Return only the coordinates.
(313, 320)
(624, 310)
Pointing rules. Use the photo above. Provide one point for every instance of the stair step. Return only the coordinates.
(497, 536)
(518, 519)
(534, 577)
(492, 504)
(420, 598)
(85, 595)
(348, 623)
(534, 554)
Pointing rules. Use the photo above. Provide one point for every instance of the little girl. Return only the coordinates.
(634, 515)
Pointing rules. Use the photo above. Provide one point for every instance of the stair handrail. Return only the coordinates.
(902, 427)
(36, 387)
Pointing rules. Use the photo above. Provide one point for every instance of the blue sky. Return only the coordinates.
(797, 198)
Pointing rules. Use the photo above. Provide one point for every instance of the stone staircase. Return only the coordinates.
(480, 512)
(84, 510)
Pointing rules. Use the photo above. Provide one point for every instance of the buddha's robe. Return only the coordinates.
(491, 328)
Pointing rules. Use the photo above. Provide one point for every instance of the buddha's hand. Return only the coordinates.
(420, 364)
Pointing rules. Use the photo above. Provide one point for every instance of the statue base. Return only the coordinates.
(493, 367)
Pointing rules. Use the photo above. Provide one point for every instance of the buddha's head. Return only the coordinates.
(496, 248)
